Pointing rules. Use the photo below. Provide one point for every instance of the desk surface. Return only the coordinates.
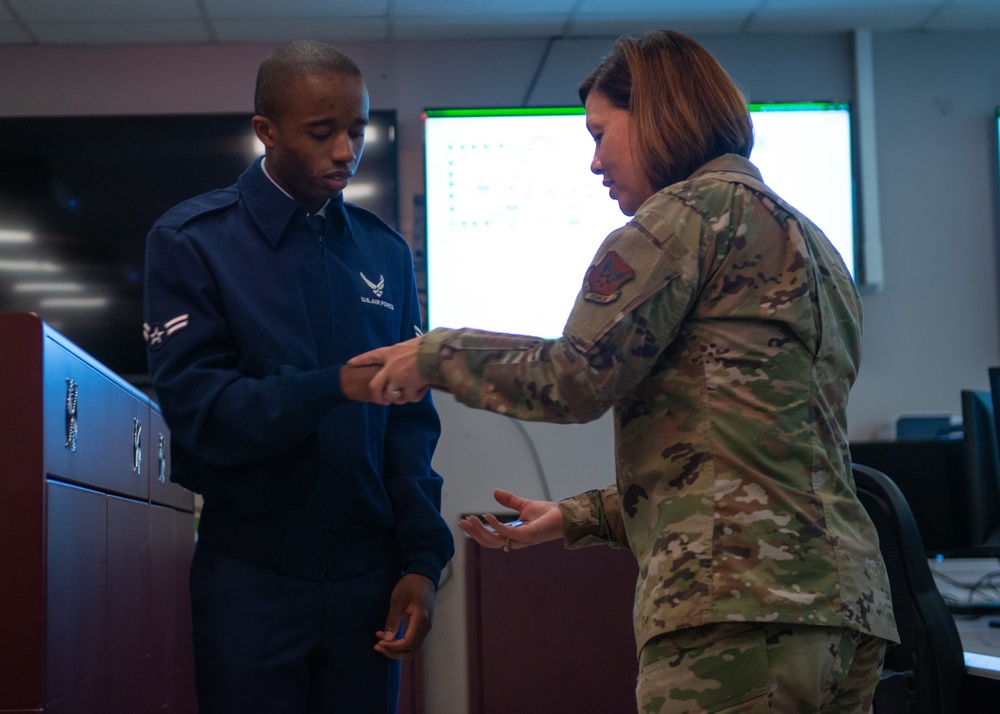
(971, 581)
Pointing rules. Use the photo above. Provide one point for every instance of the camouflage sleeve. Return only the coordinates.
(643, 282)
(523, 377)
(592, 518)
(635, 296)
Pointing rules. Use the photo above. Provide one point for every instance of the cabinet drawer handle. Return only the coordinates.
(162, 459)
(72, 391)
(136, 446)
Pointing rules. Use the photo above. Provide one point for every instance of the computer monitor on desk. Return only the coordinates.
(994, 373)
(928, 472)
(981, 473)
(952, 484)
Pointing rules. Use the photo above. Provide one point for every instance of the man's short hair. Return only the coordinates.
(302, 57)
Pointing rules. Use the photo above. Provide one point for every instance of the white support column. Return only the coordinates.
(864, 106)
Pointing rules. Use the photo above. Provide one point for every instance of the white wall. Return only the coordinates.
(931, 331)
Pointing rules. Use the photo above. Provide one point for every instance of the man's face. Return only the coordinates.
(314, 145)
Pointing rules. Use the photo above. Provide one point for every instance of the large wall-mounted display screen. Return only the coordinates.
(514, 215)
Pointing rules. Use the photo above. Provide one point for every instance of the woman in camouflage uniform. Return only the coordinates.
(724, 330)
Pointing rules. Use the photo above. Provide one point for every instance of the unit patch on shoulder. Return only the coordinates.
(156, 335)
(604, 279)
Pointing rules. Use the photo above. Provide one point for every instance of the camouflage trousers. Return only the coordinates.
(760, 667)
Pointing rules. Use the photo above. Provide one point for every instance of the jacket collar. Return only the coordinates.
(273, 211)
(729, 162)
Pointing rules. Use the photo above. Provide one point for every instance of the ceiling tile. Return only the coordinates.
(794, 19)
(668, 7)
(121, 33)
(137, 21)
(64, 11)
(11, 34)
(492, 9)
(833, 7)
(594, 24)
(451, 28)
(966, 16)
(244, 9)
(350, 29)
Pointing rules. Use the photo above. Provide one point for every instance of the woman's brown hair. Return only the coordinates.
(684, 108)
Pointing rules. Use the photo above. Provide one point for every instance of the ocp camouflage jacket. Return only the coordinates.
(724, 330)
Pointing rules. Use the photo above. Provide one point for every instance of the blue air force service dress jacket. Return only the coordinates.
(250, 313)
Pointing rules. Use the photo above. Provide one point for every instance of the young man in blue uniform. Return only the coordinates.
(320, 540)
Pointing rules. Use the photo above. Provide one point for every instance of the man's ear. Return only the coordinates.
(265, 130)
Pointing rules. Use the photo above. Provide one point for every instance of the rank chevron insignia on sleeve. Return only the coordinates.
(157, 333)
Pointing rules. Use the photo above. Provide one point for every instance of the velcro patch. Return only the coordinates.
(604, 280)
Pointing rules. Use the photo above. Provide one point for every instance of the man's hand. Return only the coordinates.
(413, 603)
(398, 381)
(354, 382)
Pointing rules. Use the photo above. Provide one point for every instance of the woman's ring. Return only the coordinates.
(506, 546)
(395, 392)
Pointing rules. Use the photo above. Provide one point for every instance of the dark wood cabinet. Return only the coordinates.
(551, 626)
(130, 618)
(76, 610)
(171, 550)
(95, 541)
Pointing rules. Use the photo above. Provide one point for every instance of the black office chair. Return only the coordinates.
(924, 673)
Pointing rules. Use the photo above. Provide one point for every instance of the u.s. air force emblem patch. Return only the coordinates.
(604, 280)
(156, 334)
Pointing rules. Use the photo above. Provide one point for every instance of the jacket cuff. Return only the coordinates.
(592, 518)
(428, 362)
(429, 565)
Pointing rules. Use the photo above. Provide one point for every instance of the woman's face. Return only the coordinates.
(614, 157)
